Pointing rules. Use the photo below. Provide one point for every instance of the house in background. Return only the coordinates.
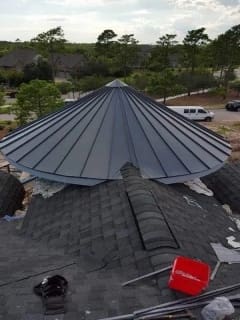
(18, 59)
(65, 63)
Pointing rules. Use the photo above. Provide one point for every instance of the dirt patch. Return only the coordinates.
(208, 100)
(231, 132)
(3, 132)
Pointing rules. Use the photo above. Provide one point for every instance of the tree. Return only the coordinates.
(90, 83)
(200, 80)
(225, 51)
(192, 43)
(105, 52)
(139, 80)
(64, 87)
(13, 78)
(235, 85)
(220, 91)
(127, 52)
(161, 54)
(50, 42)
(163, 84)
(105, 43)
(94, 66)
(38, 97)
(39, 69)
(2, 100)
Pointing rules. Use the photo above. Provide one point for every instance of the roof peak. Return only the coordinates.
(116, 84)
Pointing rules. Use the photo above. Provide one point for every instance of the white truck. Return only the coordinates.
(196, 113)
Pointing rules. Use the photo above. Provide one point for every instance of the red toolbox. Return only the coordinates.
(189, 276)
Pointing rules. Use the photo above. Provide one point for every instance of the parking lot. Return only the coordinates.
(224, 115)
(220, 115)
(7, 117)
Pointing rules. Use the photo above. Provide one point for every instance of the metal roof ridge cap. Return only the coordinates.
(116, 84)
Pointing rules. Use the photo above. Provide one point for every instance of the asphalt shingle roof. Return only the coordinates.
(89, 141)
(68, 61)
(93, 232)
(226, 185)
(18, 57)
(152, 225)
(11, 194)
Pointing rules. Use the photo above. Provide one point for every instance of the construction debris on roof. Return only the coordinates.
(119, 231)
(101, 237)
(47, 188)
(89, 141)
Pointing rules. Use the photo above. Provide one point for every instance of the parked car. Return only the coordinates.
(233, 105)
(196, 113)
(68, 101)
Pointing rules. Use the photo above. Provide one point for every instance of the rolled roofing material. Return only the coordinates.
(88, 142)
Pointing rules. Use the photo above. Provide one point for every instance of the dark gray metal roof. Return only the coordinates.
(89, 141)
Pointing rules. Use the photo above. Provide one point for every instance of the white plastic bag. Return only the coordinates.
(218, 309)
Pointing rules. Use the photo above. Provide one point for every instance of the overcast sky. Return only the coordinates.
(84, 20)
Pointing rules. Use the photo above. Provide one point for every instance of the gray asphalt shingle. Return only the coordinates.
(91, 237)
(226, 185)
(11, 194)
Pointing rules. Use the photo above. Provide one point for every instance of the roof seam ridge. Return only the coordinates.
(151, 222)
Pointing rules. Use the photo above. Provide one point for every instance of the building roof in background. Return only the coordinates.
(89, 141)
(102, 236)
(18, 57)
(68, 61)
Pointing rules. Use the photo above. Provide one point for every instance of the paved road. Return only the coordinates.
(223, 115)
(220, 115)
(8, 117)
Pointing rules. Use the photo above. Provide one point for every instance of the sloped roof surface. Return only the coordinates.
(89, 141)
(68, 60)
(148, 215)
(20, 56)
(97, 229)
(11, 194)
(225, 184)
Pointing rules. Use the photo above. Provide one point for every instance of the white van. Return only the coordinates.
(67, 101)
(194, 112)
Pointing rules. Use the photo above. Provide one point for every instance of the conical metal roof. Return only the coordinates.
(89, 141)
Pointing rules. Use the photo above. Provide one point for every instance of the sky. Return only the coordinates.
(83, 20)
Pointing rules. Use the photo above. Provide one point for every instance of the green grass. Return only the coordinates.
(223, 130)
(236, 125)
(10, 125)
(216, 106)
(6, 109)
